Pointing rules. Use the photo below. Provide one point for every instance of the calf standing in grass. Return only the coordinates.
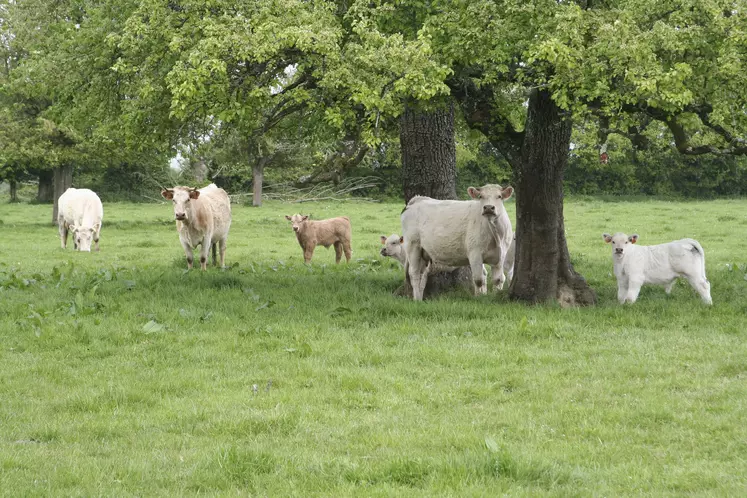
(203, 217)
(81, 212)
(660, 264)
(311, 233)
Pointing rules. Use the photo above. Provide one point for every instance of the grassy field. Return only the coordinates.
(123, 374)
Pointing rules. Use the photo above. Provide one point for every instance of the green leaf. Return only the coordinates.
(153, 327)
(491, 445)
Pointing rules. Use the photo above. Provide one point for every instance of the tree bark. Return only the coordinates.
(429, 168)
(428, 152)
(258, 176)
(63, 179)
(45, 192)
(13, 190)
(543, 270)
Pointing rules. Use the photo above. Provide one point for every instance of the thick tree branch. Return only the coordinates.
(733, 145)
(478, 107)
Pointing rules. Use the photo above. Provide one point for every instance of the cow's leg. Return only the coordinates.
(509, 274)
(634, 287)
(222, 243)
(188, 253)
(481, 284)
(205, 252)
(348, 250)
(622, 289)
(418, 276)
(702, 286)
(308, 252)
(96, 238)
(215, 254)
(338, 252)
(424, 277)
(63, 233)
(668, 287)
(497, 276)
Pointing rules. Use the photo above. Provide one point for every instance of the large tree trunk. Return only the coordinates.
(63, 179)
(428, 152)
(429, 168)
(45, 192)
(543, 270)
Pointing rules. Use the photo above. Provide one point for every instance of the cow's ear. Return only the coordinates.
(383, 239)
(167, 193)
(194, 194)
(96, 227)
(507, 193)
(607, 238)
(401, 240)
(306, 217)
(633, 238)
(287, 217)
(474, 192)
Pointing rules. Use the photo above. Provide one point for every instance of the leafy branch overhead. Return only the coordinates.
(149, 74)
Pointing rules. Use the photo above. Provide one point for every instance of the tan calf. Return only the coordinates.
(311, 233)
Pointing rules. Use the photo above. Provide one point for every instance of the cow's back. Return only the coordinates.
(216, 200)
(80, 207)
(441, 227)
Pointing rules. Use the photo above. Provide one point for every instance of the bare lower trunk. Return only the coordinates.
(543, 270)
(258, 176)
(45, 192)
(63, 179)
(428, 152)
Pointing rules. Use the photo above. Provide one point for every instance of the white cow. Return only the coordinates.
(203, 217)
(458, 233)
(79, 210)
(661, 264)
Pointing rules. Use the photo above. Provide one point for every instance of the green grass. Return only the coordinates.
(123, 374)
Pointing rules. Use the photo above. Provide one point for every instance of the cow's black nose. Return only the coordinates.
(488, 210)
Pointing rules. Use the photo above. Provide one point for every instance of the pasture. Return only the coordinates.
(123, 374)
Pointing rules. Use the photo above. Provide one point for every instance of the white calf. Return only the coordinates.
(660, 264)
(394, 248)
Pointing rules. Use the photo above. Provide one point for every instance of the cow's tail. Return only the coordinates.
(698, 249)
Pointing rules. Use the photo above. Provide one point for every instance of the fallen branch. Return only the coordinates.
(286, 192)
